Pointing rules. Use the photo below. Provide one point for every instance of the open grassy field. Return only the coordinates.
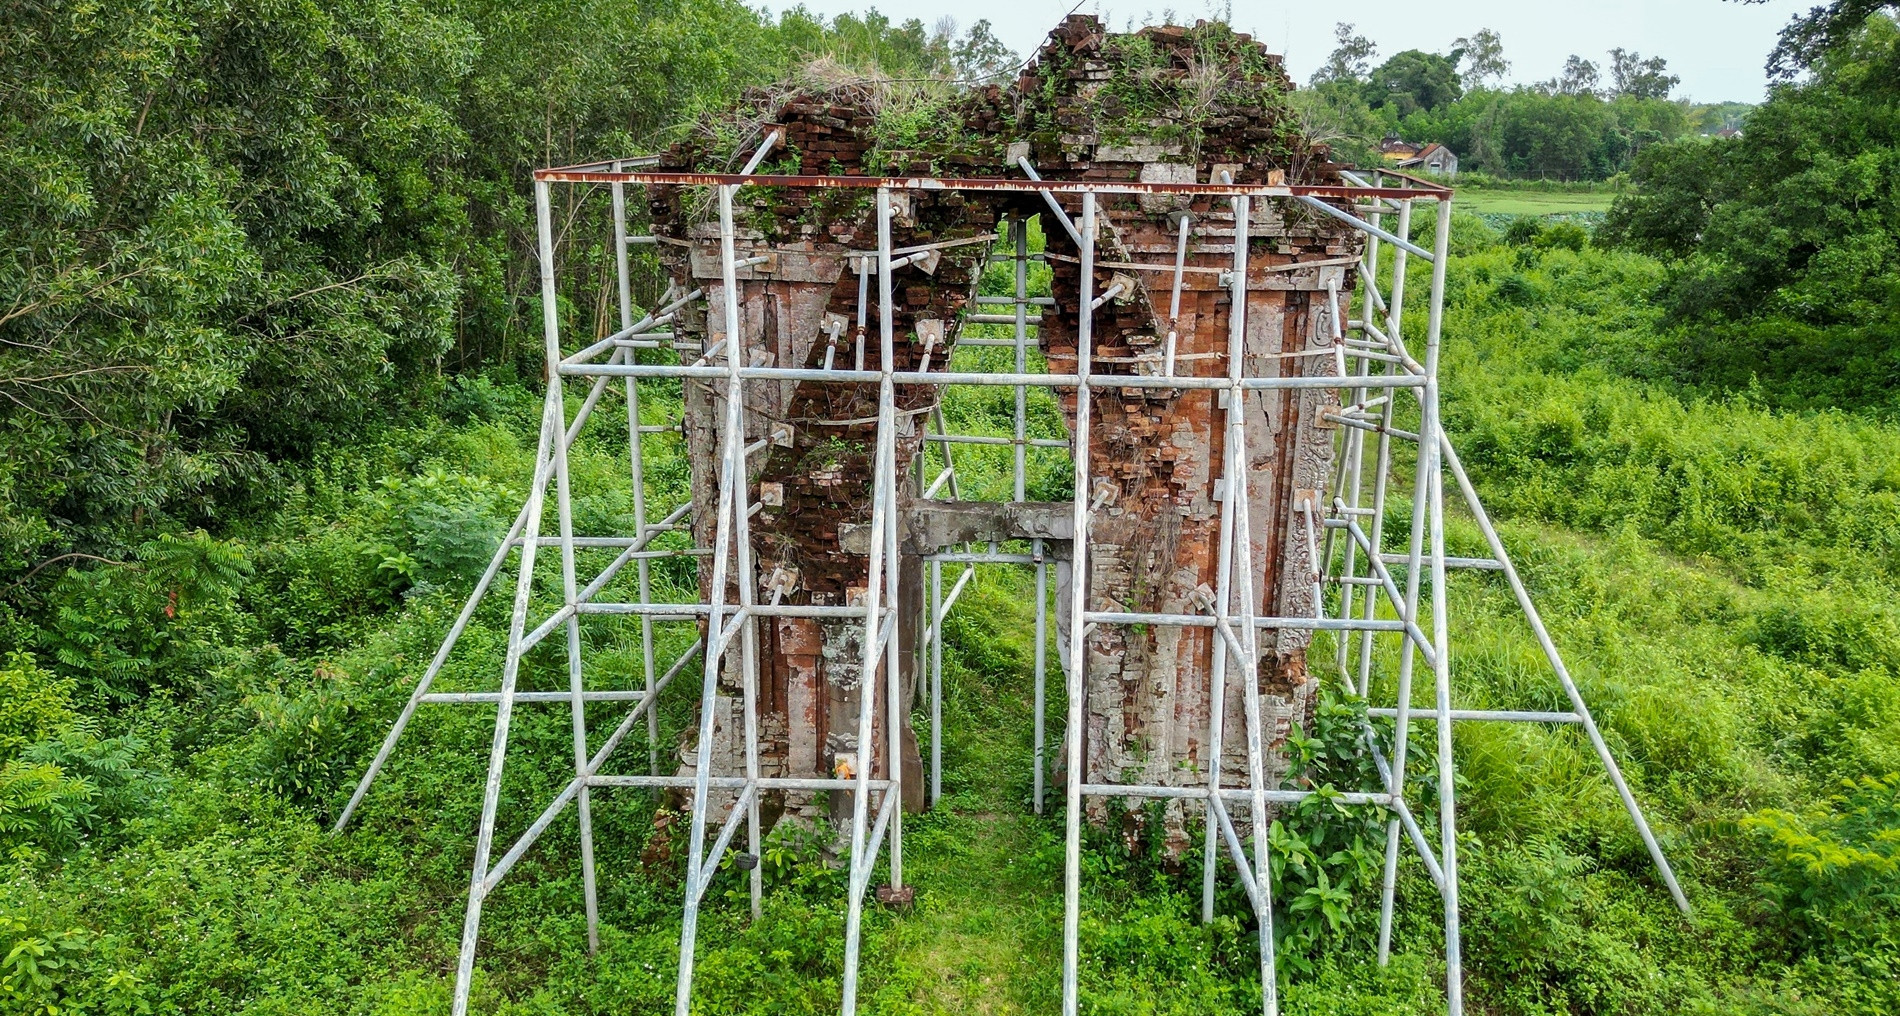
(1489, 201)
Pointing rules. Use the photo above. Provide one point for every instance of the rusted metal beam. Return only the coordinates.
(591, 174)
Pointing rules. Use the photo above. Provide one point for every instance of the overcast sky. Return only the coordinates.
(1716, 46)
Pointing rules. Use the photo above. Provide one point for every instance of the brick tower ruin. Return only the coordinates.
(1164, 105)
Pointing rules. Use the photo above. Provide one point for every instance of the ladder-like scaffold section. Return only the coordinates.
(1374, 369)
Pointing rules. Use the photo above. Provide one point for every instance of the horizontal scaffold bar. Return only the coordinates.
(737, 782)
(728, 610)
(977, 439)
(1476, 563)
(978, 557)
(1227, 794)
(563, 697)
(591, 174)
(1497, 715)
(911, 377)
(1204, 621)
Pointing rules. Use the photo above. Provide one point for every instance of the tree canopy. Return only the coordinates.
(1481, 54)
(1791, 227)
(236, 230)
(1414, 80)
(1350, 60)
(1810, 36)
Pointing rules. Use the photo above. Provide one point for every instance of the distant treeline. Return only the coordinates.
(1575, 126)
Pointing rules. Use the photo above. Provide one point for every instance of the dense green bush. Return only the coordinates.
(1834, 871)
(231, 230)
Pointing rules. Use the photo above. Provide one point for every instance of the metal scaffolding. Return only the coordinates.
(1374, 368)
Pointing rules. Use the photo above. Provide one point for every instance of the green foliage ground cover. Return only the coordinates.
(1721, 575)
(1717, 554)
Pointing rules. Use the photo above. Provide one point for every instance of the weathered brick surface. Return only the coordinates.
(1154, 542)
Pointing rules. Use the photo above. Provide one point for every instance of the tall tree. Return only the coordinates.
(1789, 235)
(230, 231)
(1481, 55)
(233, 232)
(1579, 77)
(1811, 35)
(1351, 59)
(1414, 80)
(981, 56)
(1637, 78)
(1568, 137)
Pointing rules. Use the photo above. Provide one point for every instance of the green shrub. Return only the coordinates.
(1524, 230)
(1562, 235)
(120, 631)
(43, 811)
(1327, 856)
(1833, 871)
(61, 783)
(34, 704)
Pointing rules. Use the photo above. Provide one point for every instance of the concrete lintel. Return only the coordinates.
(934, 525)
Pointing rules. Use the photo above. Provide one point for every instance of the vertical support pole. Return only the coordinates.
(1217, 677)
(748, 595)
(864, 303)
(1238, 507)
(1408, 611)
(936, 681)
(930, 654)
(1429, 437)
(1395, 311)
(920, 462)
(1019, 233)
(748, 582)
(1078, 604)
(883, 496)
(731, 475)
(1041, 693)
(577, 707)
(1174, 299)
(552, 433)
(893, 703)
(511, 669)
(637, 463)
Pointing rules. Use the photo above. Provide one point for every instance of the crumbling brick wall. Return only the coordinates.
(813, 479)
(1169, 105)
(1154, 541)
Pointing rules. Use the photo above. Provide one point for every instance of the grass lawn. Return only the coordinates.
(1527, 202)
